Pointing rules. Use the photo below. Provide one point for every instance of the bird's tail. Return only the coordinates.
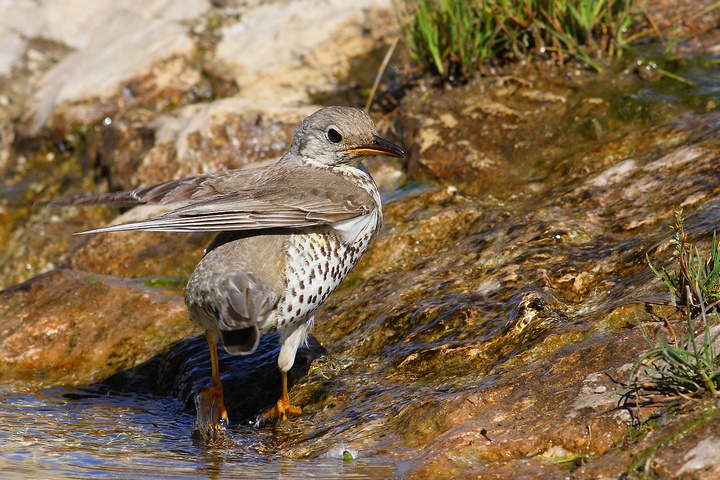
(246, 301)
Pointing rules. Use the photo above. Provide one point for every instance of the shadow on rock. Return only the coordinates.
(251, 383)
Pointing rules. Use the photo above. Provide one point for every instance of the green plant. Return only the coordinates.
(700, 277)
(689, 362)
(448, 36)
(452, 37)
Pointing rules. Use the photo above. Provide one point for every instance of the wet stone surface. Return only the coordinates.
(184, 369)
(490, 330)
(72, 327)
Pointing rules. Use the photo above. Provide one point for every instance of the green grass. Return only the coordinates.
(687, 361)
(696, 279)
(451, 38)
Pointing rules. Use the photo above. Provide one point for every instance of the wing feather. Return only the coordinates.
(265, 199)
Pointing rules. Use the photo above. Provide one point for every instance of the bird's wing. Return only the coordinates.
(185, 190)
(284, 198)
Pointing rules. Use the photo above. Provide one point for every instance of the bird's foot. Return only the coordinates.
(212, 417)
(280, 411)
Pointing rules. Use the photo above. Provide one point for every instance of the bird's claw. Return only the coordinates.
(280, 411)
(211, 414)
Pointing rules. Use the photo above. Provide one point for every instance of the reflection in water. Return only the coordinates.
(45, 434)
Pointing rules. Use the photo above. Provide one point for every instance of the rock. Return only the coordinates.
(704, 459)
(476, 135)
(289, 51)
(480, 310)
(37, 239)
(13, 46)
(505, 314)
(68, 327)
(123, 61)
(130, 55)
(492, 326)
(450, 146)
(141, 254)
(225, 134)
(139, 150)
(107, 76)
(18, 22)
(142, 148)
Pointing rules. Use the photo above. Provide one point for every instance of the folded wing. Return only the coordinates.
(252, 199)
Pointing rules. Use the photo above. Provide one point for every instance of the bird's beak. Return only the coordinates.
(378, 146)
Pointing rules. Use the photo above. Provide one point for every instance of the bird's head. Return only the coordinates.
(339, 136)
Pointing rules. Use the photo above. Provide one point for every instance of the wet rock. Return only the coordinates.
(476, 135)
(509, 316)
(492, 326)
(35, 239)
(699, 27)
(449, 147)
(118, 149)
(70, 327)
(665, 446)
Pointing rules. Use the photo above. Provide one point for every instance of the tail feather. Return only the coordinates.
(240, 342)
(246, 301)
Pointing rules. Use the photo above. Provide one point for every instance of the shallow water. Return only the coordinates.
(46, 434)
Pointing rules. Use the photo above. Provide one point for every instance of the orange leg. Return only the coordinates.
(209, 403)
(283, 407)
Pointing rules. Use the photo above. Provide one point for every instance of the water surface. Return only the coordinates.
(55, 433)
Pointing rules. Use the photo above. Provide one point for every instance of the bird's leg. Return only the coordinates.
(209, 403)
(283, 407)
(289, 344)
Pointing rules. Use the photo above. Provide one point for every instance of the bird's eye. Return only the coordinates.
(333, 135)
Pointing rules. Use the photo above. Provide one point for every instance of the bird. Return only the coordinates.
(288, 234)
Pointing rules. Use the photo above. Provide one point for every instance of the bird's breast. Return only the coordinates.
(316, 264)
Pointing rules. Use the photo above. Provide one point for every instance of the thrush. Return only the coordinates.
(289, 233)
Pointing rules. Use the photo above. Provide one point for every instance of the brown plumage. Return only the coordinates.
(290, 232)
